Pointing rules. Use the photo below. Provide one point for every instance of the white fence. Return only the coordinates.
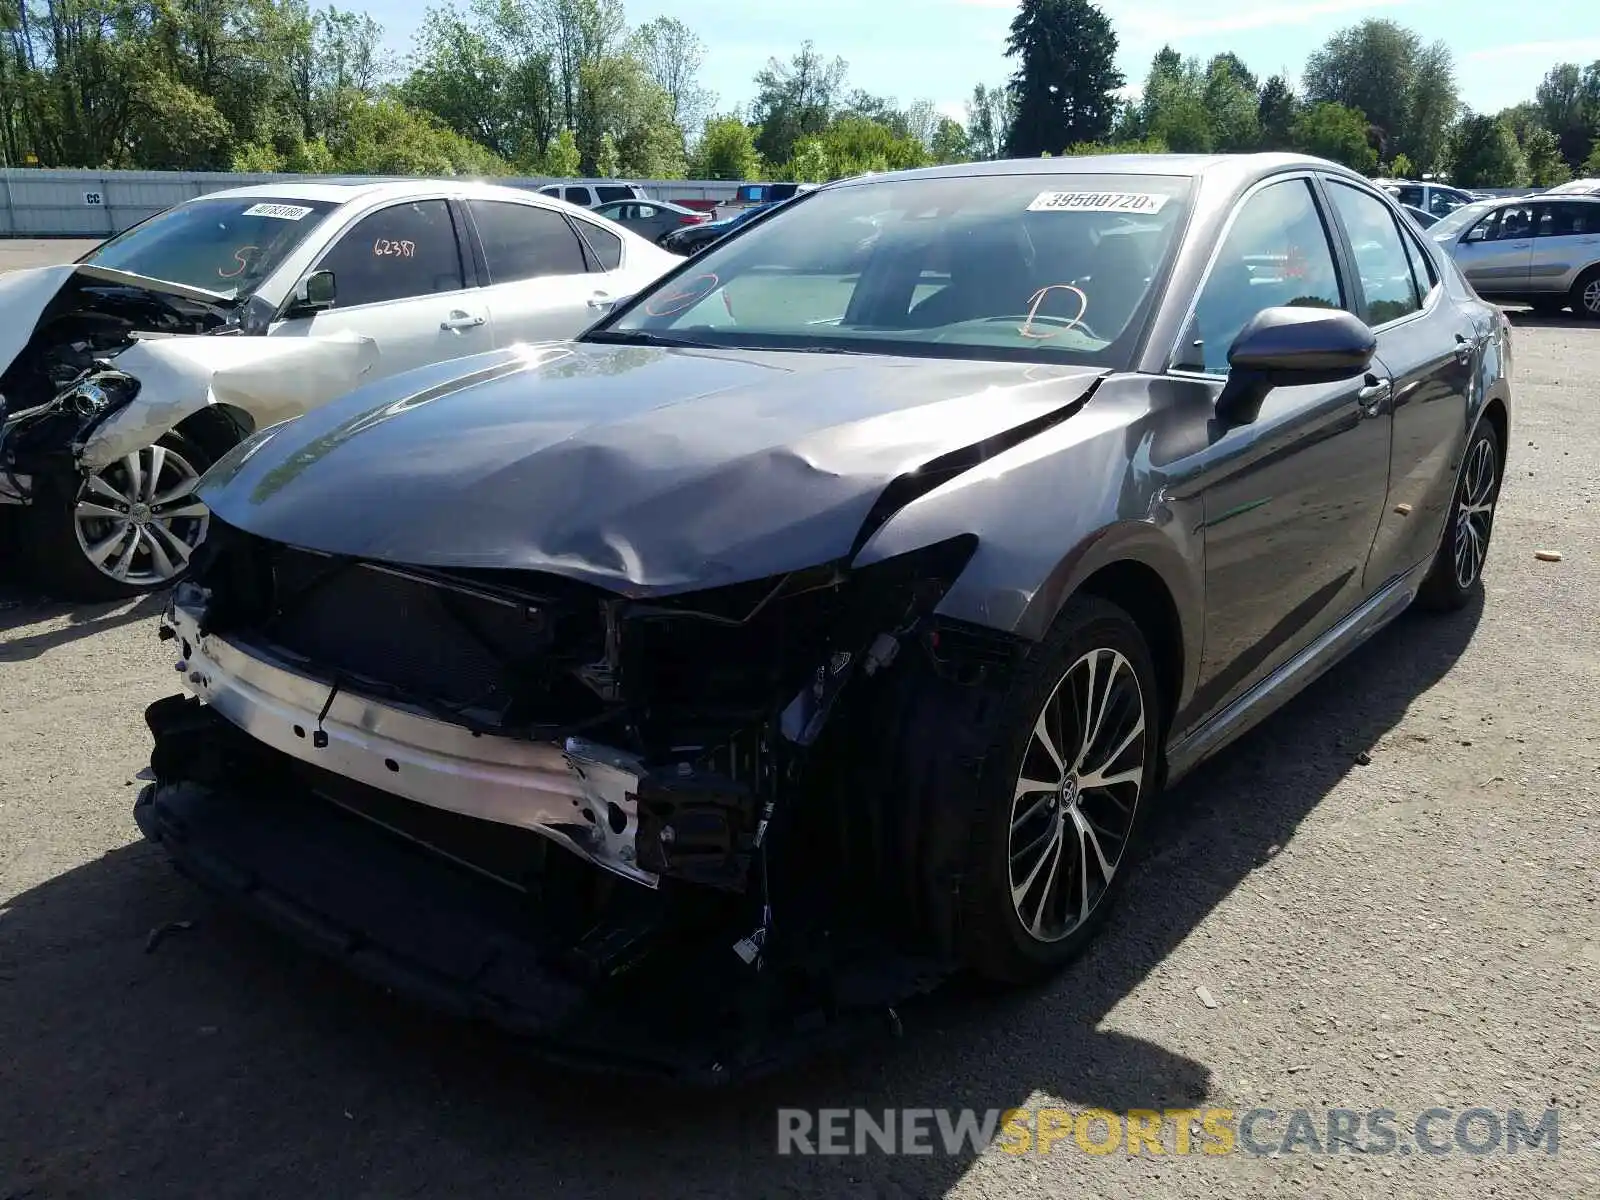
(97, 204)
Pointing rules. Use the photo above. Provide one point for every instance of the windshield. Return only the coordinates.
(222, 245)
(1458, 219)
(1045, 268)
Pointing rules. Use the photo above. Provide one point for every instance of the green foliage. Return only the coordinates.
(1276, 109)
(950, 143)
(989, 116)
(1542, 152)
(1150, 145)
(727, 150)
(1484, 153)
(1335, 132)
(1402, 167)
(795, 100)
(1568, 99)
(1066, 80)
(1174, 107)
(561, 159)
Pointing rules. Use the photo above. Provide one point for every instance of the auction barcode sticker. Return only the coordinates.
(1128, 202)
(284, 212)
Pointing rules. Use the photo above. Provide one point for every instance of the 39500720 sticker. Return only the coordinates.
(1119, 202)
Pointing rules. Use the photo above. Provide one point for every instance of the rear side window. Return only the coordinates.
(1381, 261)
(521, 241)
(1568, 219)
(550, 191)
(608, 194)
(1409, 195)
(605, 245)
(1422, 271)
(577, 195)
(397, 252)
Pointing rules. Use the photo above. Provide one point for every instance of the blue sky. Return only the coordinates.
(937, 49)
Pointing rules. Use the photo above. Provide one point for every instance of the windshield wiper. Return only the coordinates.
(644, 337)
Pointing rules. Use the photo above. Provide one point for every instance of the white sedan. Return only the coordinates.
(125, 375)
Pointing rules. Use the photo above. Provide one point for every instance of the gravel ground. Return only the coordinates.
(1389, 892)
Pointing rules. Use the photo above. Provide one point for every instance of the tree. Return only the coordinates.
(624, 114)
(1276, 109)
(1230, 100)
(1402, 167)
(989, 115)
(950, 143)
(727, 150)
(1484, 153)
(795, 99)
(1569, 104)
(673, 56)
(1542, 152)
(1382, 69)
(1334, 132)
(1066, 78)
(1174, 107)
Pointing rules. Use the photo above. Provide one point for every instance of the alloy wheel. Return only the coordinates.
(138, 520)
(1591, 297)
(1475, 512)
(1077, 791)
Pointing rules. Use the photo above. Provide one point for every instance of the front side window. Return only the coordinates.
(1511, 224)
(1047, 267)
(1276, 255)
(578, 195)
(222, 245)
(614, 193)
(523, 241)
(397, 252)
(1411, 195)
(1381, 262)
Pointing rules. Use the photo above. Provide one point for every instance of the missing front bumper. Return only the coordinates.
(618, 979)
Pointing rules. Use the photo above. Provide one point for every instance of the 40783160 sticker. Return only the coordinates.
(1117, 202)
(283, 212)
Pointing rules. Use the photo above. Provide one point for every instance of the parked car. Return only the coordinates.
(113, 407)
(651, 219)
(1434, 198)
(692, 239)
(1424, 220)
(592, 195)
(790, 639)
(1540, 250)
(1575, 187)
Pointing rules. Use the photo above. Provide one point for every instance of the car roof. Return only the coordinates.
(1236, 169)
(343, 190)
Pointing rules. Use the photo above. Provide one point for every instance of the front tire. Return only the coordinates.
(1457, 572)
(127, 531)
(1074, 773)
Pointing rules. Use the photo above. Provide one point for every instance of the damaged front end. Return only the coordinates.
(690, 833)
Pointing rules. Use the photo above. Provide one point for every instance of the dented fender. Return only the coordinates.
(270, 378)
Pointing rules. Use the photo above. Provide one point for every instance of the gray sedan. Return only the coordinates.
(831, 615)
(1538, 250)
(652, 219)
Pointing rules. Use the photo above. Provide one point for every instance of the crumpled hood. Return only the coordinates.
(640, 469)
(26, 293)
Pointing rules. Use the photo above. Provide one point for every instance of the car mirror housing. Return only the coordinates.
(315, 293)
(1287, 347)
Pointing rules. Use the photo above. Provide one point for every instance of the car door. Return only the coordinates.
(1291, 499)
(540, 287)
(1566, 240)
(1494, 253)
(1426, 349)
(399, 278)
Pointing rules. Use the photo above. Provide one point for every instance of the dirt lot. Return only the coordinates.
(1417, 931)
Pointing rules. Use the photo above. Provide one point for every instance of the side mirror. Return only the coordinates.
(315, 293)
(1289, 347)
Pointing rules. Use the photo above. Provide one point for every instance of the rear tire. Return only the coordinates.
(61, 535)
(1585, 298)
(1068, 782)
(1457, 572)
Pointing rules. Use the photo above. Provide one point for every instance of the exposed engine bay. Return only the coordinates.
(62, 383)
(708, 794)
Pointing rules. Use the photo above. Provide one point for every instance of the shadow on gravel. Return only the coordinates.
(226, 1063)
(19, 607)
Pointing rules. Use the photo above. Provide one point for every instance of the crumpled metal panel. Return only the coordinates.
(640, 469)
(271, 378)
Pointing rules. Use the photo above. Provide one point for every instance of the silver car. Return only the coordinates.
(1539, 250)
